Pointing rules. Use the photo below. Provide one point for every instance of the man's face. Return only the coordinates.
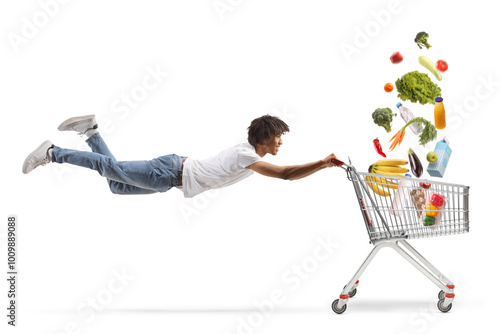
(273, 144)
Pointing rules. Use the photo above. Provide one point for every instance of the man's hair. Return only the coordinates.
(264, 128)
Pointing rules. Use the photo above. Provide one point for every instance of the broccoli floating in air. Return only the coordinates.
(421, 40)
(383, 117)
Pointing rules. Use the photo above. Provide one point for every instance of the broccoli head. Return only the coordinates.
(421, 40)
(383, 117)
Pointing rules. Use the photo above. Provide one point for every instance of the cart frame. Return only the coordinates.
(386, 231)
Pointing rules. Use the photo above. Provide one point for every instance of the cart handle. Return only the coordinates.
(337, 162)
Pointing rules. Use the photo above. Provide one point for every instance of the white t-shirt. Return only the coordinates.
(221, 170)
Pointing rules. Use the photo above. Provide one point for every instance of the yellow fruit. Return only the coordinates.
(390, 169)
(386, 173)
(391, 162)
(377, 190)
(382, 181)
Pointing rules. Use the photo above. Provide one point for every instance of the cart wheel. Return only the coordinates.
(441, 294)
(338, 310)
(441, 308)
(353, 292)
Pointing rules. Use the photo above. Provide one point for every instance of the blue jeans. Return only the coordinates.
(125, 177)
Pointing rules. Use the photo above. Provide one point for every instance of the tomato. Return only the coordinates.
(441, 65)
(388, 87)
(425, 185)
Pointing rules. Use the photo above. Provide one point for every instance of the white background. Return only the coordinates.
(200, 265)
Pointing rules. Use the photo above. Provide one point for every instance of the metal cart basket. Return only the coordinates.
(401, 211)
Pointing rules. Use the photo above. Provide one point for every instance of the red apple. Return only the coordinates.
(396, 57)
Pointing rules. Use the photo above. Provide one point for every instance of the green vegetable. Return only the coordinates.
(383, 117)
(428, 134)
(428, 64)
(417, 87)
(429, 221)
(421, 40)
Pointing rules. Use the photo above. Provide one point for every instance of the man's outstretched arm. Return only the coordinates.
(294, 172)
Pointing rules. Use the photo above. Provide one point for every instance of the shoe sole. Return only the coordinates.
(74, 121)
(46, 143)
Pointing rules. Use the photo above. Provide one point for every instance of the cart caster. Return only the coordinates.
(352, 293)
(336, 309)
(441, 307)
(442, 294)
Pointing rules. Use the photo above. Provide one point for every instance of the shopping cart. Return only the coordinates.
(400, 214)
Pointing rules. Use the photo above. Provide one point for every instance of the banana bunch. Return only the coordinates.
(388, 167)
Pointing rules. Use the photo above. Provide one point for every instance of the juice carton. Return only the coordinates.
(443, 152)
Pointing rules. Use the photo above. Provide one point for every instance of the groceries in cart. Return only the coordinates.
(418, 198)
(381, 185)
(390, 219)
(434, 209)
(425, 185)
(398, 203)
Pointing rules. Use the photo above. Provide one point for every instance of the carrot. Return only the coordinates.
(428, 134)
(398, 138)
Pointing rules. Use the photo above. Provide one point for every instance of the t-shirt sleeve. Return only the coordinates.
(246, 157)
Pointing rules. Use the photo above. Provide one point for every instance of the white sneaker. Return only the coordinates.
(38, 157)
(80, 124)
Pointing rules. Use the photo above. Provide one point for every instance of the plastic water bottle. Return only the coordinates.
(402, 192)
(408, 116)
